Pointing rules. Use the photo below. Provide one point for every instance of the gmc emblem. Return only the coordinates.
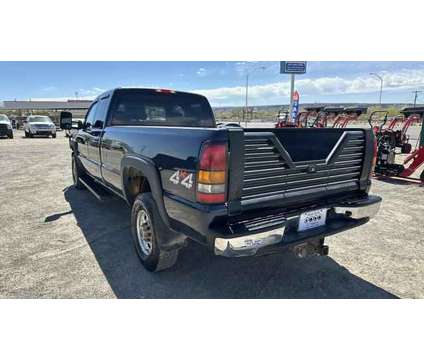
(311, 169)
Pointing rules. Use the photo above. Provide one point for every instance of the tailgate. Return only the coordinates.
(286, 167)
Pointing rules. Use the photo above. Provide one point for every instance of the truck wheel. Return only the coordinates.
(76, 174)
(10, 135)
(54, 136)
(147, 227)
(31, 135)
(26, 134)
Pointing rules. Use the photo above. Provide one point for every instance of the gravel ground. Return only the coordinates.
(58, 242)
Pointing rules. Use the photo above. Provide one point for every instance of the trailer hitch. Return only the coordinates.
(312, 248)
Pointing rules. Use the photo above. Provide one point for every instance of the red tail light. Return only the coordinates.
(212, 174)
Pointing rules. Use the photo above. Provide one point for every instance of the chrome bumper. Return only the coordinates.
(248, 245)
(356, 211)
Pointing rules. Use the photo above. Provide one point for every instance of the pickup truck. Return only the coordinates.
(238, 191)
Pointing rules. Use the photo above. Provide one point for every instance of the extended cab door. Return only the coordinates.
(82, 136)
(94, 135)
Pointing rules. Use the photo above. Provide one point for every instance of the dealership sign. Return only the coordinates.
(292, 67)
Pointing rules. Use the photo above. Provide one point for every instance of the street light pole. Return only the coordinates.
(416, 92)
(381, 83)
(246, 101)
(291, 96)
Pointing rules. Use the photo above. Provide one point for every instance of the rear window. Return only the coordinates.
(151, 108)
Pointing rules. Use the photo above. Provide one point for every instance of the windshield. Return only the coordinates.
(152, 108)
(4, 118)
(43, 119)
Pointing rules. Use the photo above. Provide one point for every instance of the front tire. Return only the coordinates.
(54, 136)
(147, 227)
(10, 135)
(26, 134)
(76, 173)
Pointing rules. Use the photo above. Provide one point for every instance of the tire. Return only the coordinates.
(54, 136)
(76, 174)
(147, 228)
(31, 135)
(10, 135)
(26, 134)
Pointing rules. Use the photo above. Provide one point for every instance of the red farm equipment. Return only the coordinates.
(389, 140)
(348, 115)
(305, 118)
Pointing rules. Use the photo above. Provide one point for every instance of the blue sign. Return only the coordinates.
(292, 67)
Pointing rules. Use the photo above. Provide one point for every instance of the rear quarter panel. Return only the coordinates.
(173, 150)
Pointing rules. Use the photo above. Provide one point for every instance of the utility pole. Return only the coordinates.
(381, 83)
(416, 92)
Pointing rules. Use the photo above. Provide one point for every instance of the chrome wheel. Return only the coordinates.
(144, 232)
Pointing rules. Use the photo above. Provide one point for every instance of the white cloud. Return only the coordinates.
(401, 80)
(202, 72)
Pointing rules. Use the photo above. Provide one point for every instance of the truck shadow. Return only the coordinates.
(200, 274)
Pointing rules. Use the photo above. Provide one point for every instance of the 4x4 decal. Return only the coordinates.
(183, 178)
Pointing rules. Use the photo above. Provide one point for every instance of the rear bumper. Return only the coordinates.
(280, 231)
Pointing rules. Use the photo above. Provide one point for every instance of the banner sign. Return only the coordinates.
(295, 108)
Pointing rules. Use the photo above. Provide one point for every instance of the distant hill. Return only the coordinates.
(269, 112)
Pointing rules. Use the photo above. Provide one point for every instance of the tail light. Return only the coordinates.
(212, 174)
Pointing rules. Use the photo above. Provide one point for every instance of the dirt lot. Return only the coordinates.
(58, 242)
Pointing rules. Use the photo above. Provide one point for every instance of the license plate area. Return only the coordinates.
(312, 219)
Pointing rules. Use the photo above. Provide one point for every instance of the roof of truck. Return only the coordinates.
(159, 90)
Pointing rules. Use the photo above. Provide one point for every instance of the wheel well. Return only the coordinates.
(135, 183)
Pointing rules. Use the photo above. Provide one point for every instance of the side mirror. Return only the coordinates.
(65, 120)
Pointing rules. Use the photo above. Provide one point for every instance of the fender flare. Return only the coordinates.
(148, 168)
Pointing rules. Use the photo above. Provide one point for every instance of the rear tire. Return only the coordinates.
(26, 134)
(76, 173)
(147, 228)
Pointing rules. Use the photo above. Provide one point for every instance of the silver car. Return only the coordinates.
(39, 125)
(5, 127)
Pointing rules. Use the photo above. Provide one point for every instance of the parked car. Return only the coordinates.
(5, 127)
(237, 191)
(39, 125)
(227, 124)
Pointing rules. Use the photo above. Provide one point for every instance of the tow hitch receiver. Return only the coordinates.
(310, 249)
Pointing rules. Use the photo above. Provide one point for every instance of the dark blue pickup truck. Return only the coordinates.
(237, 191)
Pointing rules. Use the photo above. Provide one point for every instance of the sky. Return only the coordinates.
(222, 82)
